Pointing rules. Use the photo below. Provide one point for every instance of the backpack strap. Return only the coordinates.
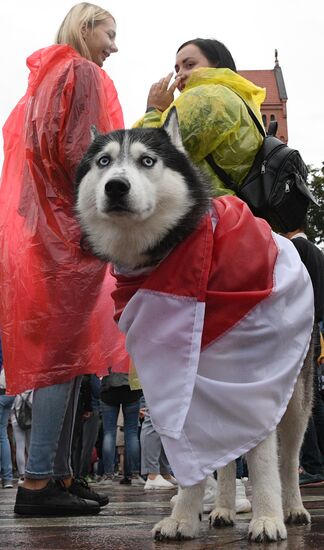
(254, 118)
(217, 169)
(222, 174)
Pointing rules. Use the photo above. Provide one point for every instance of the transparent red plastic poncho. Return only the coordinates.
(56, 312)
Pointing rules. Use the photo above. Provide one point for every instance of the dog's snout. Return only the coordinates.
(117, 187)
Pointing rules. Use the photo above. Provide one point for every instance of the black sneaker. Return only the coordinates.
(310, 480)
(125, 481)
(52, 500)
(81, 489)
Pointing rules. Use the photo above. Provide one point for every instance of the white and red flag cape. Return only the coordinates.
(218, 332)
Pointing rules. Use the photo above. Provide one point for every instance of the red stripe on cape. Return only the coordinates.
(201, 267)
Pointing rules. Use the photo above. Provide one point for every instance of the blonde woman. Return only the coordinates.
(53, 305)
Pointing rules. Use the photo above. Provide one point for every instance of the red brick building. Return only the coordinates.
(275, 104)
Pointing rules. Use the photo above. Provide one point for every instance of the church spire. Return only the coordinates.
(276, 58)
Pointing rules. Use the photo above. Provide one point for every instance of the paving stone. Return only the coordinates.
(126, 522)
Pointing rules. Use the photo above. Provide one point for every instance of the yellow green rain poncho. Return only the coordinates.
(213, 119)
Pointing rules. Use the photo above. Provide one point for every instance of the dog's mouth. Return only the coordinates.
(118, 209)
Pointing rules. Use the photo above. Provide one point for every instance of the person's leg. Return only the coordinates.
(20, 441)
(77, 441)
(239, 468)
(319, 424)
(132, 446)
(310, 457)
(151, 447)
(6, 402)
(27, 441)
(154, 458)
(50, 432)
(89, 438)
(62, 463)
(318, 416)
(109, 422)
(164, 464)
(49, 456)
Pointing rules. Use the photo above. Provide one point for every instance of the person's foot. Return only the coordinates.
(310, 480)
(158, 483)
(89, 479)
(125, 481)
(242, 503)
(137, 480)
(171, 479)
(106, 480)
(80, 488)
(52, 500)
(7, 484)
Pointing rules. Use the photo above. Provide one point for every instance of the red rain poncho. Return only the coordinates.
(56, 313)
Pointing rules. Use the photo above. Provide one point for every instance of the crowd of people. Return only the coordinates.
(114, 441)
(64, 357)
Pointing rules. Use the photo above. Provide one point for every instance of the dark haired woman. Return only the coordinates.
(213, 118)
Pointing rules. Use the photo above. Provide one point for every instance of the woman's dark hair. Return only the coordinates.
(216, 53)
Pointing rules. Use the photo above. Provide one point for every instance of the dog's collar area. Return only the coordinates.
(133, 272)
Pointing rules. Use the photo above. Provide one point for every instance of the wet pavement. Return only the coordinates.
(126, 522)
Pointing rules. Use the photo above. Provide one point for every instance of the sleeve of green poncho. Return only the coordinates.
(151, 119)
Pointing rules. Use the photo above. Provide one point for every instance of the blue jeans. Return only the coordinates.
(132, 448)
(54, 409)
(6, 402)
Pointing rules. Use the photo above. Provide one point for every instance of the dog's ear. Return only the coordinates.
(171, 126)
(93, 133)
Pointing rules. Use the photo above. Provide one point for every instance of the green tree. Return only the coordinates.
(315, 229)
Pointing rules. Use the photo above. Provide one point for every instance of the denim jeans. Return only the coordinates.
(132, 448)
(84, 442)
(154, 460)
(54, 409)
(6, 402)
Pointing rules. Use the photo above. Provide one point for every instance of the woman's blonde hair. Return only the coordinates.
(83, 15)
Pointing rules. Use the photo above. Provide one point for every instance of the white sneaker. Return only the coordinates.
(158, 483)
(210, 494)
(242, 503)
(9, 485)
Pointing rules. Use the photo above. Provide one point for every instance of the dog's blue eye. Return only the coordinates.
(104, 161)
(148, 162)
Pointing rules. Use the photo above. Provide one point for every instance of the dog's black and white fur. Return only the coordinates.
(138, 197)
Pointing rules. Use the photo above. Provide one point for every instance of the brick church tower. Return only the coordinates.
(275, 104)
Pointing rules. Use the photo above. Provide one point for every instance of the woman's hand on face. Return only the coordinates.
(161, 94)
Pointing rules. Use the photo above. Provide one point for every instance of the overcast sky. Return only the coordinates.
(149, 33)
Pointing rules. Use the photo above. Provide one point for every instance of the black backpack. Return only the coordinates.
(276, 186)
(23, 413)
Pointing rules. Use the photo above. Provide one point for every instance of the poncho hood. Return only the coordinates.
(245, 88)
(43, 60)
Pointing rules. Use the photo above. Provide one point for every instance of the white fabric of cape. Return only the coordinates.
(212, 406)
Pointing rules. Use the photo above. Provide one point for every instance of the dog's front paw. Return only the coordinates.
(297, 516)
(221, 517)
(176, 529)
(267, 529)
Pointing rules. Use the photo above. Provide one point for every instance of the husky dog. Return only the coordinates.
(138, 198)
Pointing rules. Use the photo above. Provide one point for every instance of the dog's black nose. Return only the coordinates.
(117, 187)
